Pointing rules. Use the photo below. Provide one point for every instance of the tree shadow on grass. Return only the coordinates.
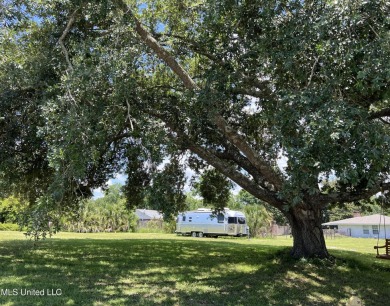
(182, 272)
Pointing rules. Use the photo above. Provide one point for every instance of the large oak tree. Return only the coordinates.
(92, 88)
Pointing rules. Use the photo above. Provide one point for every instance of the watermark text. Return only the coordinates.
(30, 292)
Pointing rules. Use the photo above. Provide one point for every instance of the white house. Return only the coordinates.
(364, 227)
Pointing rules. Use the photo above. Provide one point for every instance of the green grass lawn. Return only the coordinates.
(163, 269)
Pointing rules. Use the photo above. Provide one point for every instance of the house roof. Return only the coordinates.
(366, 220)
(148, 214)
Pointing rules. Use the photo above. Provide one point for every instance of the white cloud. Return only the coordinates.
(119, 178)
(98, 193)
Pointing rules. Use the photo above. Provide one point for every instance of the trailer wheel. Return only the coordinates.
(193, 234)
(200, 234)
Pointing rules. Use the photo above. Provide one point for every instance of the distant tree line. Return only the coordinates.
(111, 214)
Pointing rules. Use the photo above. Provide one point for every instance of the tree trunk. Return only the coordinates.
(305, 221)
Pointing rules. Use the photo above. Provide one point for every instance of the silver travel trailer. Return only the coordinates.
(203, 222)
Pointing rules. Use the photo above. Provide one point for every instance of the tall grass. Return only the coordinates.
(164, 269)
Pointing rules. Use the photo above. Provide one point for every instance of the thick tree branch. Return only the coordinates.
(195, 46)
(63, 36)
(384, 121)
(236, 176)
(224, 167)
(164, 55)
(312, 72)
(380, 114)
(241, 161)
(346, 197)
(236, 139)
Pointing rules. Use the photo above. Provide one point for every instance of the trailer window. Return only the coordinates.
(221, 218)
(184, 218)
(241, 220)
(232, 220)
(189, 219)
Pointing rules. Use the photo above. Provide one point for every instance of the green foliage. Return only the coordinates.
(167, 191)
(169, 227)
(259, 220)
(364, 208)
(245, 199)
(9, 227)
(214, 189)
(193, 202)
(138, 177)
(41, 220)
(108, 213)
(11, 209)
(339, 52)
(152, 226)
(259, 214)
